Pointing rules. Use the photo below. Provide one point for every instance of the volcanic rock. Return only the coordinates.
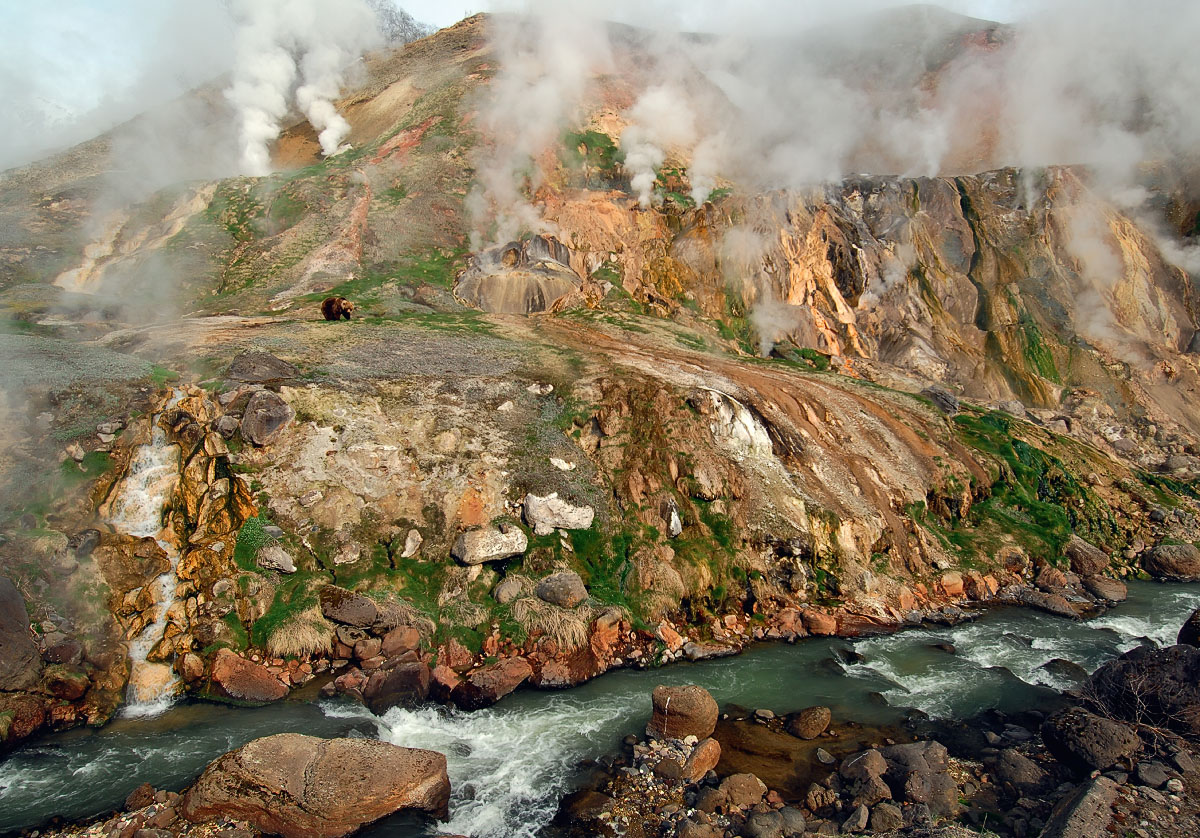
(1102, 587)
(743, 790)
(303, 787)
(682, 711)
(347, 607)
(1084, 813)
(261, 368)
(265, 418)
(404, 685)
(1153, 686)
(1189, 634)
(274, 557)
(1086, 559)
(1087, 742)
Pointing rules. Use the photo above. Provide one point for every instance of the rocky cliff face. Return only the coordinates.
(768, 415)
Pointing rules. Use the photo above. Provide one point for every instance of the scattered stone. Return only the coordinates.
(274, 557)
(265, 418)
(303, 787)
(886, 817)
(824, 757)
(1087, 742)
(489, 544)
(506, 590)
(743, 790)
(540, 389)
(412, 544)
(1152, 774)
(1175, 785)
(1102, 587)
(226, 426)
(704, 758)
(858, 820)
(564, 589)
(1017, 771)
(546, 514)
(763, 825)
(682, 711)
(562, 465)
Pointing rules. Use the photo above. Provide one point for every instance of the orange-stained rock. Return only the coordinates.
(952, 583)
(489, 684)
(303, 787)
(819, 623)
(669, 636)
(442, 682)
(682, 711)
(236, 678)
(702, 760)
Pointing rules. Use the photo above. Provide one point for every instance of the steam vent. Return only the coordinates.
(543, 426)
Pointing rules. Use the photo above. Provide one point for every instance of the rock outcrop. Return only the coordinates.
(241, 680)
(1151, 686)
(1176, 562)
(489, 544)
(303, 787)
(1088, 742)
(20, 662)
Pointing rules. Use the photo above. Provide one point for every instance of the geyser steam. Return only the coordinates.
(281, 42)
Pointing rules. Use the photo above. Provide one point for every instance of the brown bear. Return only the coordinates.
(335, 308)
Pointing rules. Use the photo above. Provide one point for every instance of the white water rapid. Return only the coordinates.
(137, 510)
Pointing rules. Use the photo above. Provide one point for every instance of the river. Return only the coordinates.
(509, 764)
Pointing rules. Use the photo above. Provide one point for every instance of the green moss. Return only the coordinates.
(252, 537)
(241, 639)
(593, 155)
(296, 593)
(94, 464)
(160, 376)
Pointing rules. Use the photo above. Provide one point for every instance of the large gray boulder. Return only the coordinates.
(1177, 562)
(1152, 686)
(1084, 813)
(265, 418)
(304, 787)
(489, 544)
(565, 589)
(546, 514)
(20, 663)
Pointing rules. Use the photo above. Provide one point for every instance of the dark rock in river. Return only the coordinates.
(489, 684)
(403, 685)
(1066, 670)
(808, 723)
(1087, 742)
(1177, 562)
(1189, 635)
(303, 787)
(20, 663)
(1110, 590)
(1152, 686)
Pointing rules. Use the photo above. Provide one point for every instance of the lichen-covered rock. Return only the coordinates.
(347, 607)
(489, 544)
(565, 589)
(274, 557)
(682, 711)
(808, 723)
(303, 787)
(546, 514)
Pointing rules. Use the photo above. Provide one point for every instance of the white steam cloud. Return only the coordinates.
(294, 51)
(776, 94)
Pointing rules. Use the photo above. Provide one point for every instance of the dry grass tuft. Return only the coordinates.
(565, 626)
(303, 634)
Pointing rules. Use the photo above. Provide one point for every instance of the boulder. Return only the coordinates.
(704, 758)
(506, 590)
(274, 557)
(242, 680)
(489, 544)
(226, 426)
(347, 607)
(260, 368)
(489, 684)
(682, 711)
(886, 817)
(920, 771)
(404, 685)
(565, 589)
(943, 399)
(1084, 813)
(1152, 686)
(742, 790)
(267, 414)
(546, 514)
(763, 825)
(20, 663)
(303, 787)
(1189, 635)
(1087, 742)
(1021, 775)
(808, 723)
(863, 765)
(1177, 562)
(1102, 587)
(1086, 559)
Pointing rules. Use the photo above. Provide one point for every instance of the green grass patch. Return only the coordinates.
(296, 593)
(252, 537)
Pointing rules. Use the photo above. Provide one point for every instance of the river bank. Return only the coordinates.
(510, 764)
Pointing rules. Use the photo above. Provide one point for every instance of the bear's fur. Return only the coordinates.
(334, 308)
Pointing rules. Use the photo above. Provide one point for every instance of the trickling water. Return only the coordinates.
(137, 510)
(509, 764)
